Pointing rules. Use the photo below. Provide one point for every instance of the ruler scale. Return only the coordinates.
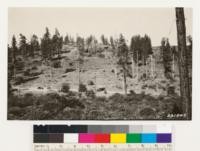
(100, 147)
(102, 138)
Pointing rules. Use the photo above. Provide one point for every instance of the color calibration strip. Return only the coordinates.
(110, 134)
(103, 138)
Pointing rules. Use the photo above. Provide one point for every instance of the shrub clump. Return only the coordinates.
(90, 82)
(57, 64)
(19, 80)
(82, 88)
(101, 99)
(101, 55)
(116, 97)
(69, 70)
(21, 101)
(65, 88)
(90, 94)
(34, 68)
(171, 90)
(147, 113)
(27, 72)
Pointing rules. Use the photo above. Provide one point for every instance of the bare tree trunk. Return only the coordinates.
(125, 73)
(13, 63)
(95, 72)
(79, 74)
(125, 83)
(152, 68)
(133, 67)
(137, 67)
(173, 67)
(145, 69)
(182, 58)
(79, 79)
(58, 50)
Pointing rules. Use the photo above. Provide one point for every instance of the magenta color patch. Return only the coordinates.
(86, 138)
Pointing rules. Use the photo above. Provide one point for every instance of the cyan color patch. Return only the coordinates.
(149, 138)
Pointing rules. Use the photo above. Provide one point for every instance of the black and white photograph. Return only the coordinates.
(81, 63)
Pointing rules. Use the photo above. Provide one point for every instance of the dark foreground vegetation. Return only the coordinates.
(86, 106)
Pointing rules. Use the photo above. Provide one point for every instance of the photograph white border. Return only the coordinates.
(17, 135)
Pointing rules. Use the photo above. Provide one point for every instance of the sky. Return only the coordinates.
(155, 22)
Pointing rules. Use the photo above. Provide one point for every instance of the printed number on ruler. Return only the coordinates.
(103, 147)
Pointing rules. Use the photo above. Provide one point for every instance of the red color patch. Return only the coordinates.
(102, 138)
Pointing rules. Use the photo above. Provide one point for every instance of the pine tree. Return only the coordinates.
(71, 40)
(57, 42)
(12, 53)
(60, 45)
(23, 46)
(81, 45)
(34, 45)
(89, 41)
(140, 48)
(104, 40)
(10, 69)
(135, 48)
(46, 48)
(123, 59)
(146, 48)
(112, 42)
(14, 49)
(66, 40)
(167, 57)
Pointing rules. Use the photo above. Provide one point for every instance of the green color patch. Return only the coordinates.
(133, 138)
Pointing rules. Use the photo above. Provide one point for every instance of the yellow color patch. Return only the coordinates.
(118, 138)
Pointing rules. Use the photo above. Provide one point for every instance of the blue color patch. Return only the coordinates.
(149, 138)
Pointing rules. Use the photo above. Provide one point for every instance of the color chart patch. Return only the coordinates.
(109, 135)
